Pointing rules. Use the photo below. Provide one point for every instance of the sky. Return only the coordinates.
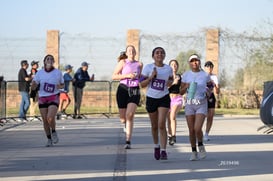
(32, 18)
(29, 19)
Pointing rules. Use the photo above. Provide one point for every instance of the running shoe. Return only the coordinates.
(157, 153)
(163, 155)
(55, 138)
(194, 156)
(79, 117)
(127, 146)
(202, 152)
(172, 140)
(49, 143)
(58, 116)
(206, 137)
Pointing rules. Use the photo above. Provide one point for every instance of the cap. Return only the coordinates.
(24, 62)
(209, 64)
(194, 56)
(67, 67)
(34, 62)
(123, 53)
(85, 64)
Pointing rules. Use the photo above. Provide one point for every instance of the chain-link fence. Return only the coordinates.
(245, 60)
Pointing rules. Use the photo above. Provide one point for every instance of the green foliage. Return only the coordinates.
(238, 79)
(182, 59)
(223, 81)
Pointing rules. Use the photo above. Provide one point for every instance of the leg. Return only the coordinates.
(122, 115)
(52, 111)
(66, 104)
(130, 112)
(21, 110)
(27, 102)
(79, 99)
(154, 126)
(199, 120)
(61, 105)
(32, 108)
(162, 116)
(43, 112)
(209, 119)
(75, 99)
(191, 122)
(174, 110)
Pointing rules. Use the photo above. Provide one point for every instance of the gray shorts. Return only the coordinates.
(196, 106)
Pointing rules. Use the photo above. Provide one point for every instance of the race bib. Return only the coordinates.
(49, 87)
(158, 84)
(132, 83)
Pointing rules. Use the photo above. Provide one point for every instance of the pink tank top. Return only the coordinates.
(131, 67)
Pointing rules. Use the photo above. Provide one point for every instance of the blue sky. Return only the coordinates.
(32, 18)
(24, 24)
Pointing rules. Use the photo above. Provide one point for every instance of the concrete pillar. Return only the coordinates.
(52, 45)
(212, 48)
(133, 39)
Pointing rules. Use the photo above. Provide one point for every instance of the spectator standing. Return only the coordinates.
(33, 93)
(80, 77)
(158, 76)
(214, 87)
(194, 83)
(24, 86)
(128, 71)
(51, 81)
(64, 97)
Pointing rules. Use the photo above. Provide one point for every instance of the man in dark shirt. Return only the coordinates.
(80, 77)
(23, 86)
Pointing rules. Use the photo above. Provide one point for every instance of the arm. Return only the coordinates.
(217, 89)
(184, 87)
(148, 79)
(117, 72)
(170, 81)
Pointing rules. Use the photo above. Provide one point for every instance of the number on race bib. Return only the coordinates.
(158, 84)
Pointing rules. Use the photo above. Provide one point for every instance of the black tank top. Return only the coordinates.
(175, 89)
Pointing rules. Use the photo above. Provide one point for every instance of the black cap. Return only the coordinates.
(209, 64)
(34, 62)
(24, 62)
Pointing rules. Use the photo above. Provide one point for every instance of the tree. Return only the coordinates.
(182, 59)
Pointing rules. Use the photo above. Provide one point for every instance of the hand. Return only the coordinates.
(154, 73)
(92, 77)
(60, 86)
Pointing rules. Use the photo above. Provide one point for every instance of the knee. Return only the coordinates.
(129, 116)
(162, 127)
(50, 119)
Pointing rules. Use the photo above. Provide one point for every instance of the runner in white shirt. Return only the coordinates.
(157, 78)
(211, 99)
(50, 80)
(194, 83)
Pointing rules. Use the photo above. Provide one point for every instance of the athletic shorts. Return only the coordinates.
(177, 101)
(195, 106)
(126, 95)
(152, 104)
(45, 102)
(64, 96)
(211, 101)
